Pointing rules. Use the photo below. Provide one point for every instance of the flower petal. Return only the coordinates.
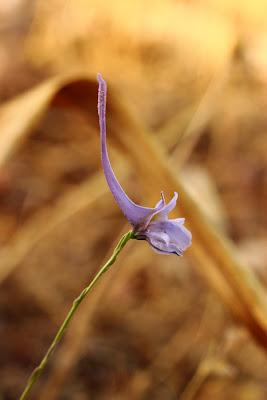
(168, 236)
(163, 214)
(136, 215)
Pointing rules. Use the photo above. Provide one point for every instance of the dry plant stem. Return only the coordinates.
(39, 369)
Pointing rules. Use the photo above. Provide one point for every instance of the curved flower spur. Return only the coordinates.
(167, 236)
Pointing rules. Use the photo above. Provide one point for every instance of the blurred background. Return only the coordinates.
(192, 75)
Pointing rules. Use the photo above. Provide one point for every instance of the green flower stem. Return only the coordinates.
(39, 369)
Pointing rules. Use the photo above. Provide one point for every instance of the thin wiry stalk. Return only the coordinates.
(39, 369)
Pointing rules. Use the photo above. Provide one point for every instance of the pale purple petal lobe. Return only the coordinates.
(163, 214)
(169, 237)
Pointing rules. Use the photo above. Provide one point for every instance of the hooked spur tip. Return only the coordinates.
(99, 77)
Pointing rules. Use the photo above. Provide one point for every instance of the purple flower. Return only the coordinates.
(167, 236)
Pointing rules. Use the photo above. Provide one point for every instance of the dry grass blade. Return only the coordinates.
(200, 118)
(169, 355)
(202, 372)
(45, 222)
(181, 133)
(19, 116)
(156, 171)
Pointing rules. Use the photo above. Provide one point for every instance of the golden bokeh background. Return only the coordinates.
(187, 111)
